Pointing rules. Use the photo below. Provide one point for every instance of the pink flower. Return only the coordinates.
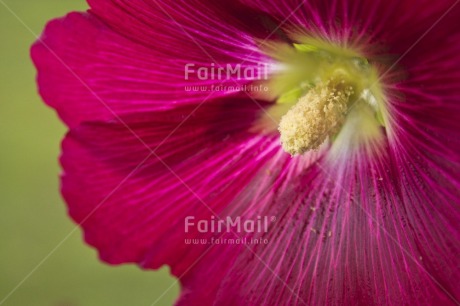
(364, 94)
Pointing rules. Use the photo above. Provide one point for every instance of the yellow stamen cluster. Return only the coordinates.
(318, 114)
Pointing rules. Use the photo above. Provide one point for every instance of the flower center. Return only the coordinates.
(318, 114)
(325, 92)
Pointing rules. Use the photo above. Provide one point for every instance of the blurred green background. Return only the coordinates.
(37, 266)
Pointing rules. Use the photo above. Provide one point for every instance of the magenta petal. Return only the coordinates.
(197, 170)
(392, 26)
(428, 111)
(88, 72)
(196, 28)
(375, 234)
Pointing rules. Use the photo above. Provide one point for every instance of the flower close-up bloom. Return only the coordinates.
(330, 129)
